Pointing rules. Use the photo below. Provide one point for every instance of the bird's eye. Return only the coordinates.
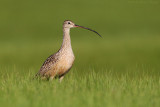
(69, 23)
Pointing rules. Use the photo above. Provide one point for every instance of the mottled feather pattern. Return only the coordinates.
(48, 64)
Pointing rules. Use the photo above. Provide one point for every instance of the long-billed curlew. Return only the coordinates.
(58, 64)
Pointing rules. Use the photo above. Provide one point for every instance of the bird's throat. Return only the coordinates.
(66, 39)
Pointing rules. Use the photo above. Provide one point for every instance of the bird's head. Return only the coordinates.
(69, 24)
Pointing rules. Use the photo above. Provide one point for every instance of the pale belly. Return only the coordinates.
(64, 64)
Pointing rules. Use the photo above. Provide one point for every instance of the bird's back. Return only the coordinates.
(48, 64)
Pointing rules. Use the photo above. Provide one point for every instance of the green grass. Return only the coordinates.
(122, 74)
(122, 69)
(90, 88)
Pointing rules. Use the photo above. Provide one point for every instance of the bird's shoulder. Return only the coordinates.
(51, 59)
(49, 62)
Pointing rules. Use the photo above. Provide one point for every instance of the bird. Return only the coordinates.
(59, 63)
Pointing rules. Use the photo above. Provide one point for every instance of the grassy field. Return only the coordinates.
(123, 74)
(122, 69)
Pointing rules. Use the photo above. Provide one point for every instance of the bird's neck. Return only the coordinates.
(66, 39)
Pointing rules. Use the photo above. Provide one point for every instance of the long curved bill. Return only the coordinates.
(87, 29)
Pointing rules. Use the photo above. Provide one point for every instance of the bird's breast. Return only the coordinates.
(68, 58)
(66, 62)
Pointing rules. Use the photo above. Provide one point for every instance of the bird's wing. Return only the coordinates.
(48, 64)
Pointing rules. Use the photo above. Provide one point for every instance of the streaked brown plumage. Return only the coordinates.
(61, 62)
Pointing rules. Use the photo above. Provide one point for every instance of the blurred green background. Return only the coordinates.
(31, 30)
